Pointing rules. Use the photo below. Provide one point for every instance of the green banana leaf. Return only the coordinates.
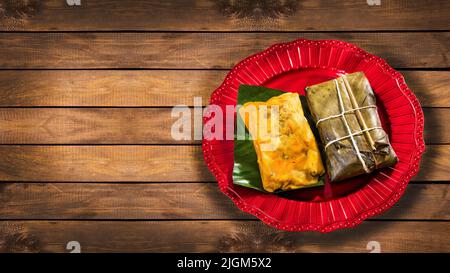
(246, 169)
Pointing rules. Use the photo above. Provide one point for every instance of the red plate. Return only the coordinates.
(291, 67)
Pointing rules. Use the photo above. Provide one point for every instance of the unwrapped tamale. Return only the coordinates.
(345, 113)
(293, 160)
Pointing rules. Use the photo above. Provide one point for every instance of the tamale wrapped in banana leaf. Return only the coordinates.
(345, 113)
(288, 157)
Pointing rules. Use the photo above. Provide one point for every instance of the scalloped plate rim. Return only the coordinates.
(386, 204)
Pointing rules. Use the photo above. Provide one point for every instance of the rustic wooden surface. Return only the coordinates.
(152, 50)
(85, 117)
(224, 15)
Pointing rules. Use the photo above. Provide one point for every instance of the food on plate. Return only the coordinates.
(345, 113)
(287, 152)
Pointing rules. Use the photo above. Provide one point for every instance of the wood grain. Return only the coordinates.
(103, 163)
(91, 126)
(78, 185)
(430, 87)
(143, 163)
(133, 126)
(156, 87)
(223, 15)
(217, 236)
(201, 50)
(174, 201)
(108, 87)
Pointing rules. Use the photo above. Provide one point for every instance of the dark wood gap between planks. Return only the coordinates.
(138, 107)
(137, 144)
(431, 69)
(225, 31)
(197, 220)
(413, 182)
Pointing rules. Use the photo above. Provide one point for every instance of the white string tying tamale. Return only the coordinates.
(359, 117)
(348, 104)
(347, 126)
(343, 113)
(354, 134)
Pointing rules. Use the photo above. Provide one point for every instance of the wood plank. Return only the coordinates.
(108, 87)
(90, 126)
(217, 236)
(143, 163)
(156, 87)
(200, 50)
(430, 87)
(435, 125)
(132, 126)
(103, 163)
(224, 15)
(434, 164)
(174, 201)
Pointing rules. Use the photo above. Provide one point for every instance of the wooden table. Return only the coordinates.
(85, 118)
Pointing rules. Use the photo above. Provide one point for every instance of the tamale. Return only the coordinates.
(294, 160)
(345, 113)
